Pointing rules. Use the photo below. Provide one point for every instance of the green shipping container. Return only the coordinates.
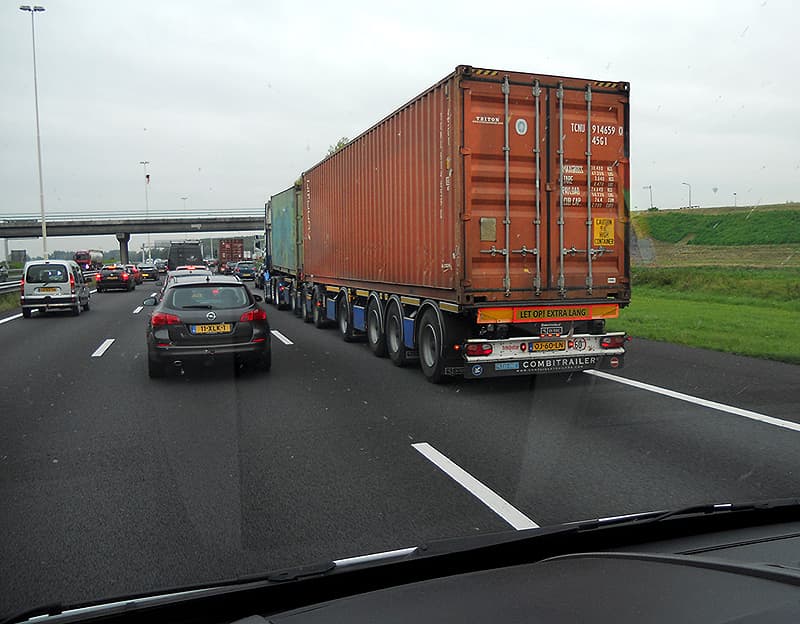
(285, 234)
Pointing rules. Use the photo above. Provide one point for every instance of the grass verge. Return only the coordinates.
(9, 301)
(745, 326)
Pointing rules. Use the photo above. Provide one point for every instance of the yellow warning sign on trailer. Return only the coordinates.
(603, 233)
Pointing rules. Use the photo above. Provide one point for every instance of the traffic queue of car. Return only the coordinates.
(199, 317)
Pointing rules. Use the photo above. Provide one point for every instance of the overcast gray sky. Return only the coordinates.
(230, 101)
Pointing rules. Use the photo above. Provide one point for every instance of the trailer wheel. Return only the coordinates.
(430, 342)
(297, 302)
(318, 303)
(394, 335)
(344, 319)
(375, 336)
(306, 312)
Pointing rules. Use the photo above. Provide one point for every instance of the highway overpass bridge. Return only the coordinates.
(123, 225)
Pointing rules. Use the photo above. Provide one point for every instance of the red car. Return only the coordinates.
(137, 274)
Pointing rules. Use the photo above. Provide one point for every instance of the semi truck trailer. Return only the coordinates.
(481, 229)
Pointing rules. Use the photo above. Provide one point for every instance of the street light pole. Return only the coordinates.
(650, 187)
(32, 11)
(144, 164)
(734, 200)
(184, 203)
(690, 193)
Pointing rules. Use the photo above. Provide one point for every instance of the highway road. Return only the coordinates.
(112, 483)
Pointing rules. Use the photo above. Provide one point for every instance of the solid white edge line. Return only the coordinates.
(738, 411)
(281, 337)
(488, 497)
(103, 347)
(137, 310)
(10, 318)
(91, 292)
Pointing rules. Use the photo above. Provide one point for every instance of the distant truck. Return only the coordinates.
(89, 259)
(184, 253)
(230, 250)
(482, 229)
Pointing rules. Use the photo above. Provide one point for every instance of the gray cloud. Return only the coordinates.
(230, 101)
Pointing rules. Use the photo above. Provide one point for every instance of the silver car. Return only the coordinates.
(53, 285)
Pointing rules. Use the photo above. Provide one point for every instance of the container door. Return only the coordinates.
(588, 208)
(504, 139)
(534, 152)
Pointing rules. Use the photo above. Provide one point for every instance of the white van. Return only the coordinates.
(53, 285)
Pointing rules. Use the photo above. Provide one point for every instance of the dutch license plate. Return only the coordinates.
(112, 277)
(212, 328)
(550, 345)
(48, 290)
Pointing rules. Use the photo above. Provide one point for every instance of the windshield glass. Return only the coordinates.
(47, 273)
(211, 296)
(475, 268)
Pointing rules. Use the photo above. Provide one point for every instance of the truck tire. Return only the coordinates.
(318, 309)
(375, 336)
(26, 313)
(297, 302)
(344, 319)
(430, 341)
(306, 313)
(394, 335)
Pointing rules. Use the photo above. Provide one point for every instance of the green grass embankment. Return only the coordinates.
(9, 301)
(754, 227)
(747, 312)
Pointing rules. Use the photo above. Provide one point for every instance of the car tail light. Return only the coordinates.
(612, 342)
(479, 348)
(72, 283)
(98, 277)
(125, 276)
(22, 287)
(162, 318)
(254, 315)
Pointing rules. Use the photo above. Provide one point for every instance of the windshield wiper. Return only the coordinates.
(54, 608)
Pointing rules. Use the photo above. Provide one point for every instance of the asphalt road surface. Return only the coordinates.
(115, 484)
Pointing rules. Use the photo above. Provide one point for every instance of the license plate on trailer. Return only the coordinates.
(212, 328)
(551, 330)
(550, 345)
(48, 290)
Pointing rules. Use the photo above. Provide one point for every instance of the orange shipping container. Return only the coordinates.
(490, 188)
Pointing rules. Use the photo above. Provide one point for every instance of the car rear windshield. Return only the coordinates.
(41, 273)
(211, 296)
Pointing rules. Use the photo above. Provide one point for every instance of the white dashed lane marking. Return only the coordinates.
(103, 347)
(281, 337)
(487, 496)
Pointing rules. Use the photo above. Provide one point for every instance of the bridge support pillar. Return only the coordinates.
(123, 238)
